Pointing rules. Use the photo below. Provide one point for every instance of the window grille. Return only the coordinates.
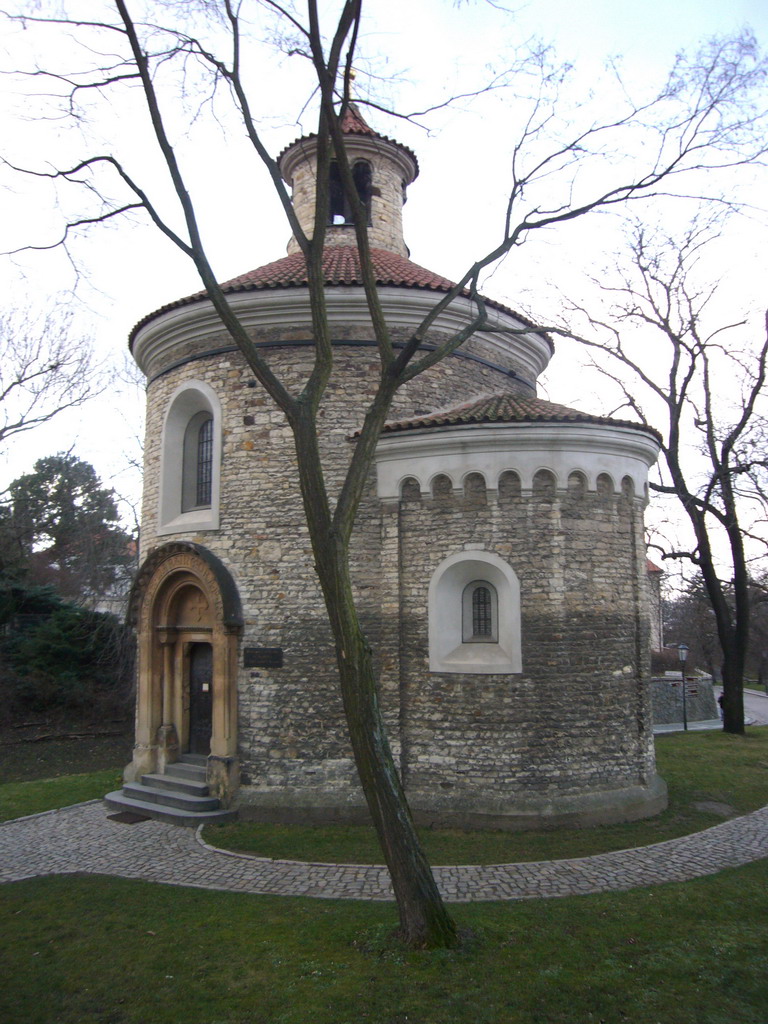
(482, 612)
(479, 613)
(204, 463)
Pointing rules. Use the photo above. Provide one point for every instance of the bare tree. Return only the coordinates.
(678, 370)
(689, 618)
(758, 635)
(701, 120)
(44, 369)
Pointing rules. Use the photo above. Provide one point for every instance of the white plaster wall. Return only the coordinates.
(525, 448)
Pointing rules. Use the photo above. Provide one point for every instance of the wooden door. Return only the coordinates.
(200, 698)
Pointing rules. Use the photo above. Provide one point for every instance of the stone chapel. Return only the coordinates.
(499, 557)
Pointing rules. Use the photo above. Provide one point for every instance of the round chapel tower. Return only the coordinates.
(498, 558)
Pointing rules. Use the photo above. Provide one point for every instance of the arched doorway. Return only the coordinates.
(188, 618)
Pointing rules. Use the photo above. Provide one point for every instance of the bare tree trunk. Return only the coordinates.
(733, 686)
(424, 920)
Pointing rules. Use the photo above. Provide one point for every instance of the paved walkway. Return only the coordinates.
(82, 839)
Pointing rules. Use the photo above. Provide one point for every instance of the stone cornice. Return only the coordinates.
(196, 330)
(367, 147)
(525, 448)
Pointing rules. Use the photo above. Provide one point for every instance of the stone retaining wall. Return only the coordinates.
(667, 699)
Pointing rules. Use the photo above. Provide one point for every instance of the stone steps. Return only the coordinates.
(179, 795)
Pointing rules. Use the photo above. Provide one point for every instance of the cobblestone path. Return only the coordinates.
(82, 839)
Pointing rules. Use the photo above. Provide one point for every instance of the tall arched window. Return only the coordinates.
(197, 470)
(205, 462)
(191, 461)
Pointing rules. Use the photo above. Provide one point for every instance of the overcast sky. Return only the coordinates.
(423, 51)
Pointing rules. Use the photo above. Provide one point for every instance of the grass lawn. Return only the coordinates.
(110, 951)
(92, 950)
(20, 798)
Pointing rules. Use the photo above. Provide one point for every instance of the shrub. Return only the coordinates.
(64, 658)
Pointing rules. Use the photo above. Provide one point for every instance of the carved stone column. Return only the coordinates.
(167, 734)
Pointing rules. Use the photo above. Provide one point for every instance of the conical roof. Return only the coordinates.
(352, 123)
(341, 266)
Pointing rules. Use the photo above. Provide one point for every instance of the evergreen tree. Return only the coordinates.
(61, 528)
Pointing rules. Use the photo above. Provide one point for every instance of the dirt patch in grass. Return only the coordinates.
(45, 749)
(715, 807)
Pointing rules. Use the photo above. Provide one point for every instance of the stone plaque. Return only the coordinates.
(263, 657)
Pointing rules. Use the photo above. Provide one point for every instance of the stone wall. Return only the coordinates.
(292, 732)
(551, 740)
(667, 695)
(577, 718)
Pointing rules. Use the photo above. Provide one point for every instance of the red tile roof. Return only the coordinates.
(354, 122)
(341, 264)
(507, 408)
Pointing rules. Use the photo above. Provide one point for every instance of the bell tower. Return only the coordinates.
(382, 170)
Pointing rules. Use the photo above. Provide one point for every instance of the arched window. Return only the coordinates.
(190, 464)
(544, 485)
(474, 615)
(197, 470)
(442, 488)
(205, 462)
(605, 487)
(474, 489)
(339, 209)
(510, 488)
(410, 489)
(480, 613)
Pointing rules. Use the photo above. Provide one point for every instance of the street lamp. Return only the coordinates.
(682, 653)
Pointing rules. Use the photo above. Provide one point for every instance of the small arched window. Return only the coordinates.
(474, 489)
(480, 613)
(510, 487)
(339, 209)
(410, 489)
(474, 615)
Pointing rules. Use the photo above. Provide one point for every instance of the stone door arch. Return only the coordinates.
(185, 603)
